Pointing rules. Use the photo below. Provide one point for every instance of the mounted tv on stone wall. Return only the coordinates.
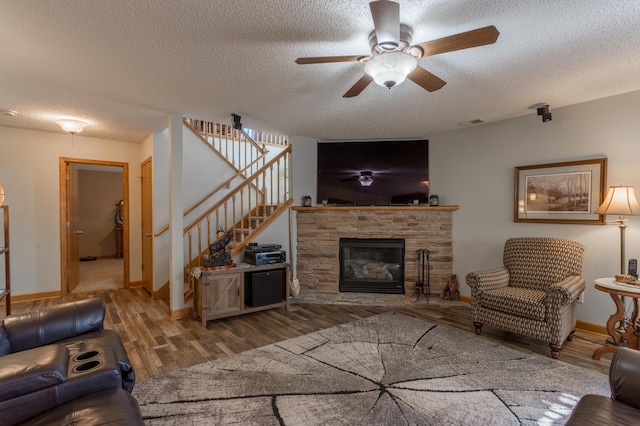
(373, 173)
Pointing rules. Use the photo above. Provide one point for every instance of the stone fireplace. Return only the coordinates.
(320, 229)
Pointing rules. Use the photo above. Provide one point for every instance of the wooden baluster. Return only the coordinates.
(250, 212)
(189, 242)
(208, 230)
(200, 250)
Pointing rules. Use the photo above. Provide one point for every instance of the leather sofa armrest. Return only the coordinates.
(488, 280)
(624, 376)
(32, 370)
(566, 291)
(49, 325)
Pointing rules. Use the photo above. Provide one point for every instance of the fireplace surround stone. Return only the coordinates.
(318, 232)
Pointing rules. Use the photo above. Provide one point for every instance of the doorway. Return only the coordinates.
(94, 223)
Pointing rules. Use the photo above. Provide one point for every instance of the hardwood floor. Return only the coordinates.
(158, 345)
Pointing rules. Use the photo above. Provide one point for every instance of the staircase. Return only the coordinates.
(246, 210)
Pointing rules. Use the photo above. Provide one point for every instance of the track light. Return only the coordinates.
(236, 121)
(543, 110)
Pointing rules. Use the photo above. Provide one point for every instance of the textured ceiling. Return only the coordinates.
(124, 65)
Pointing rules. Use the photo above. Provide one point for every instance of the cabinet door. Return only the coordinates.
(221, 294)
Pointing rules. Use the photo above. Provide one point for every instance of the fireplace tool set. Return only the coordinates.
(422, 284)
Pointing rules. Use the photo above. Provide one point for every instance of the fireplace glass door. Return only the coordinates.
(372, 265)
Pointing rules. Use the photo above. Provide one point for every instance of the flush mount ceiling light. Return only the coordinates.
(391, 68)
(8, 112)
(72, 126)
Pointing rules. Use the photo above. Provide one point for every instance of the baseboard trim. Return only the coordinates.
(35, 296)
(135, 284)
(592, 328)
(163, 292)
(180, 313)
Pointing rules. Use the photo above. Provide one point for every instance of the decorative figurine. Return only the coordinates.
(434, 200)
(220, 251)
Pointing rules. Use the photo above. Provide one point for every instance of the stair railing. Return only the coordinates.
(237, 146)
(244, 212)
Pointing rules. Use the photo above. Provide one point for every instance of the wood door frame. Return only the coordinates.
(64, 243)
(149, 268)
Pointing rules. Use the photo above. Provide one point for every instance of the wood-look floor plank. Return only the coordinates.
(159, 345)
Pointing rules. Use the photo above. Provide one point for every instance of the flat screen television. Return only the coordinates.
(373, 172)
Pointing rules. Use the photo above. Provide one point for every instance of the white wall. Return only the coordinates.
(474, 168)
(304, 169)
(29, 172)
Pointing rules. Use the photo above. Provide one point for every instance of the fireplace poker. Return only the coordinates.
(422, 285)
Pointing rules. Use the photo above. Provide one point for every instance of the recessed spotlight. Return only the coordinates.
(8, 112)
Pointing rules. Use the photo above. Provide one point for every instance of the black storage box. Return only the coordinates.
(263, 288)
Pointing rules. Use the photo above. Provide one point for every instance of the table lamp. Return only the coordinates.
(620, 200)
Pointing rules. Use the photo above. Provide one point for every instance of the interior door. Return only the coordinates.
(147, 225)
(73, 233)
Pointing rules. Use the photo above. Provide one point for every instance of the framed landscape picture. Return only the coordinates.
(567, 192)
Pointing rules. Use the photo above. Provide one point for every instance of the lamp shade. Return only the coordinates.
(390, 68)
(620, 200)
(72, 126)
(1, 195)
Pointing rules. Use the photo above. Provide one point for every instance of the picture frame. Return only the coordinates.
(566, 192)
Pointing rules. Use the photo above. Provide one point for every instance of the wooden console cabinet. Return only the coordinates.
(222, 293)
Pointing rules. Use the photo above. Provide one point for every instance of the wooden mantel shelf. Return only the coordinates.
(379, 208)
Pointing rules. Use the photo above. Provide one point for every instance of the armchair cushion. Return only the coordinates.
(538, 262)
(32, 370)
(623, 408)
(49, 325)
(522, 302)
(624, 377)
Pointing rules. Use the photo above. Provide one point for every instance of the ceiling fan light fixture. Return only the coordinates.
(390, 68)
(365, 182)
(366, 178)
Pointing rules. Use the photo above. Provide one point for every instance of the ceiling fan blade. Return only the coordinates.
(386, 20)
(474, 38)
(328, 59)
(359, 86)
(425, 79)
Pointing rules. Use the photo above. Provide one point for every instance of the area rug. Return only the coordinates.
(389, 369)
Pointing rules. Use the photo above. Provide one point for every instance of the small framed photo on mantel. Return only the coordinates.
(566, 192)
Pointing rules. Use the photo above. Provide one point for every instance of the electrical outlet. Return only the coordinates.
(581, 298)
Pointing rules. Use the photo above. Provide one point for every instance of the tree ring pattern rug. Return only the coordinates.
(389, 369)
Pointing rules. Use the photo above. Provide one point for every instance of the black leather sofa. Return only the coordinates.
(58, 365)
(623, 408)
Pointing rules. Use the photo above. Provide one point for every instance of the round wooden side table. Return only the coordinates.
(623, 334)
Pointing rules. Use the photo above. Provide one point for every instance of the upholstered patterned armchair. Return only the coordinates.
(535, 293)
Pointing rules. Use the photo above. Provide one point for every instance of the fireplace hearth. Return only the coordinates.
(372, 265)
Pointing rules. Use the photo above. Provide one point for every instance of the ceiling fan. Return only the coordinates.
(365, 178)
(393, 58)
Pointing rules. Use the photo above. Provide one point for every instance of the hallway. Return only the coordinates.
(101, 274)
